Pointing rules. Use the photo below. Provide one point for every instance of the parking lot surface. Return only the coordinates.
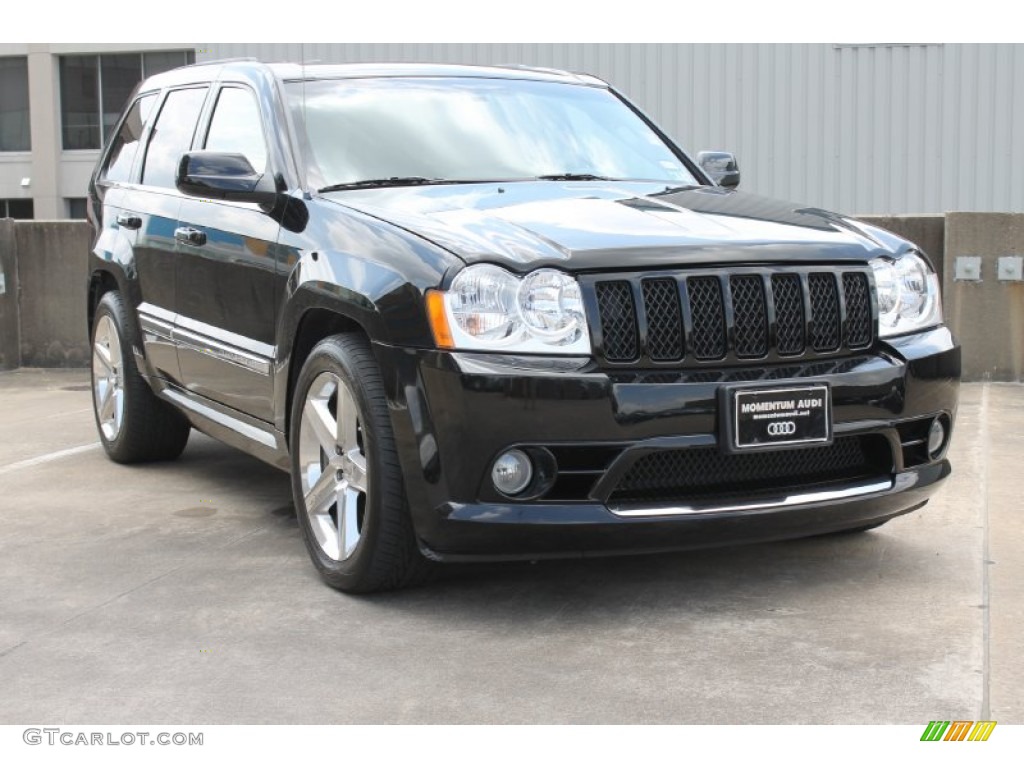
(182, 593)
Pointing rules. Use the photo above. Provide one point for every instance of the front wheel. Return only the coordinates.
(346, 481)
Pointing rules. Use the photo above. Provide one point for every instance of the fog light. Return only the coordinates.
(512, 472)
(936, 438)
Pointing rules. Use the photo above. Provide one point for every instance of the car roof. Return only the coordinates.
(252, 69)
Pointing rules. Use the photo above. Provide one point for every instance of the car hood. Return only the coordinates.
(601, 226)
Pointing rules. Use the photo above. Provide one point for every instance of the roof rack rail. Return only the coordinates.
(584, 76)
(531, 68)
(224, 61)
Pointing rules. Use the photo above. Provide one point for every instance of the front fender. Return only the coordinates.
(390, 309)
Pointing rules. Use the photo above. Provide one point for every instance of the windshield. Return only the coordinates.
(473, 129)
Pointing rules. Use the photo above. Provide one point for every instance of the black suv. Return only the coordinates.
(496, 313)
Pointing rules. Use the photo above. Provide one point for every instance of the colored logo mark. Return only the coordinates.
(958, 730)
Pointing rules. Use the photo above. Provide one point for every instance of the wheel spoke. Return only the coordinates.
(323, 424)
(102, 354)
(118, 407)
(355, 470)
(348, 419)
(348, 519)
(326, 536)
(322, 494)
(115, 351)
(102, 387)
(107, 403)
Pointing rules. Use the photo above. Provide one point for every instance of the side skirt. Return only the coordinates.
(220, 422)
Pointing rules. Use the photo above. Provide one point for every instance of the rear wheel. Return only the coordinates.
(133, 423)
(346, 480)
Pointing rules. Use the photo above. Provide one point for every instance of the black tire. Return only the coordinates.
(386, 555)
(150, 429)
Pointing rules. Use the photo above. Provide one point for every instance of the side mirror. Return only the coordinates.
(224, 176)
(721, 167)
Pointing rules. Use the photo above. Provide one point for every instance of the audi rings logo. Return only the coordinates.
(779, 428)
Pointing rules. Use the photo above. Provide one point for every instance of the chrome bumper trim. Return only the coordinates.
(768, 503)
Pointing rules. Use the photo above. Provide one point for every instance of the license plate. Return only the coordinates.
(762, 418)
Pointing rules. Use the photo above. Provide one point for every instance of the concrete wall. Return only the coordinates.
(42, 306)
(42, 313)
(987, 316)
(928, 232)
(10, 324)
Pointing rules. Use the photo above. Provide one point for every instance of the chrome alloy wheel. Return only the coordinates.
(333, 466)
(108, 378)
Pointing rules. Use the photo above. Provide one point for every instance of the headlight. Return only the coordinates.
(490, 309)
(908, 295)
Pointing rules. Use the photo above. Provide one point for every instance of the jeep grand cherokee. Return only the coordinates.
(495, 313)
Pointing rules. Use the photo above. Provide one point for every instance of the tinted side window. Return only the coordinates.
(126, 144)
(172, 136)
(236, 127)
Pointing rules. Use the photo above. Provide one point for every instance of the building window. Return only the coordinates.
(79, 101)
(76, 207)
(17, 209)
(14, 124)
(94, 90)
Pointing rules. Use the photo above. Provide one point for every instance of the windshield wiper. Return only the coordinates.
(392, 181)
(574, 177)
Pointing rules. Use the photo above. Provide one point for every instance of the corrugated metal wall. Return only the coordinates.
(856, 128)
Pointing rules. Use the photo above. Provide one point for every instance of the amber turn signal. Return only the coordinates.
(439, 320)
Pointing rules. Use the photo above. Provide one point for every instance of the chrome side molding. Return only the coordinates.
(157, 324)
(212, 348)
(161, 325)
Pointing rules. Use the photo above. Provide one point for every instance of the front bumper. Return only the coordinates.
(454, 413)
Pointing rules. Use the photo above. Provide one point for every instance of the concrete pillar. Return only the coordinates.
(44, 106)
(52, 268)
(986, 316)
(10, 321)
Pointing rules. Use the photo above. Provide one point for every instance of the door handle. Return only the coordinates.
(190, 236)
(129, 221)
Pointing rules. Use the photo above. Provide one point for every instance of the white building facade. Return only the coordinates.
(57, 104)
(864, 129)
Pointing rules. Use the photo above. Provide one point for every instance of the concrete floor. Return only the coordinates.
(181, 593)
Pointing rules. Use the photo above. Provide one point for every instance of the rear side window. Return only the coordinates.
(236, 127)
(126, 144)
(172, 136)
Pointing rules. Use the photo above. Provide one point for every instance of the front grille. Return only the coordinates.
(733, 315)
(706, 473)
(824, 312)
(789, 314)
(708, 313)
(664, 319)
(750, 313)
(858, 310)
(618, 320)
